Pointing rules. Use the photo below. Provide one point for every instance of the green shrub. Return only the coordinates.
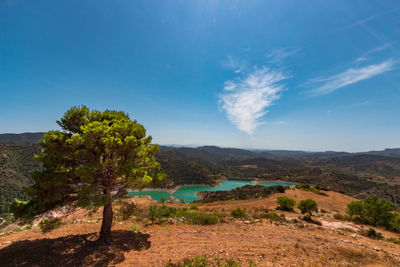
(199, 218)
(342, 217)
(273, 216)
(307, 206)
(26, 227)
(285, 203)
(134, 228)
(24, 210)
(395, 223)
(127, 209)
(373, 211)
(193, 207)
(182, 200)
(394, 240)
(372, 233)
(239, 213)
(203, 261)
(303, 186)
(160, 213)
(47, 225)
(308, 188)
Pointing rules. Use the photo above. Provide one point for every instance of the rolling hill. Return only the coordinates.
(356, 174)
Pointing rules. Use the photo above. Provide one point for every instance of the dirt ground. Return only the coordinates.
(334, 243)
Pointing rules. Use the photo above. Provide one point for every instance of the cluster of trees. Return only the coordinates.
(306, 206)
(376, 212)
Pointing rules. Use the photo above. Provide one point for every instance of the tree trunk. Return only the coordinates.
(105, 232)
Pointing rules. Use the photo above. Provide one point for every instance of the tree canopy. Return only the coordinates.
(307, 206)
(95, 158)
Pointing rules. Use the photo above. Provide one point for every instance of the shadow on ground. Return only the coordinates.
(73, 250)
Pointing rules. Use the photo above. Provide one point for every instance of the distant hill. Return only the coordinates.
(16, 164)
(356, 174)
(20, 139)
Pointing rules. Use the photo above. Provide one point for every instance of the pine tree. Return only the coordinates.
(95, 159)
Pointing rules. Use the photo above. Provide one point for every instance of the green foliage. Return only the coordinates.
(47, 225)
(193, 207)
(134, 228)
(285, 203)
(315, 190)
(199, 218)
(160, 214)
(395, 223)
(373, 211)
(239, 213)
(271, 215)
(308, 206)
(23, 210)
(203, 261)
(16, 162)
(182, 200)
(96, 153)
(23, 228)
(127, 209)
(372, 233)
(342, 217)
(394, 240)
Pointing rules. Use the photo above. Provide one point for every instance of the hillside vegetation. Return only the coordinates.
(375, 173)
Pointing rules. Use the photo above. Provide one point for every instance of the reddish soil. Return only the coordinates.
(266, 243)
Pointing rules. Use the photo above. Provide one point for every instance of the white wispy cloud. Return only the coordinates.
(246, 99)
(234, 63)
(278, 55)
(350, 76)
(366, 55)
(360, 22)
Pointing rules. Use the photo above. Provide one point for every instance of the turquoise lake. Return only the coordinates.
(189, 192)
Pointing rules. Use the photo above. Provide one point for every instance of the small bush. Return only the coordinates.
(395, 223)
(47, 225)
(394, 240)
(307, 206)
(193, 207)
(182, 200)
(273, 216)
(200, 218)
(134, 228)
(372, 233)
(203, 261)
(127, 209)
(285, 203)
(308, 188)
(239, 213)
(159, 214)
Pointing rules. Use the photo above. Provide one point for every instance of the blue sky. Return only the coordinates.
(311, 75)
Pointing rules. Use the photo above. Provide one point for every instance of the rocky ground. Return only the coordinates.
(333, 243)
